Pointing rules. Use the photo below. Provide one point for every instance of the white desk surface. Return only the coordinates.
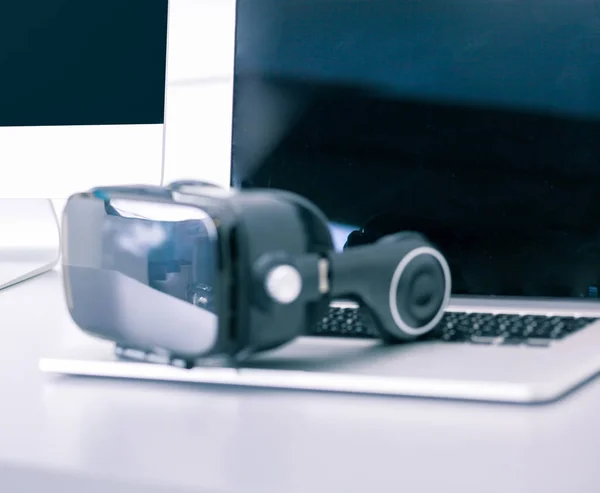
(72, 435)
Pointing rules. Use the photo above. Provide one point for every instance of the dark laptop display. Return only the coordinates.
(73, 62)
(477, 123)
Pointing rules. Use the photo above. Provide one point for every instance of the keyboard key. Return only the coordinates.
(515, 331)
(483, 339)
(535, 342)
(582, 322)
(508, 320)
(541, 331)
(512, 341)
(454, 336)
(491, 329)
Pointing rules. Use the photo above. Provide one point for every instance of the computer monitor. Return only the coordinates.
(82, 104)
(82, 94)
(476, 123)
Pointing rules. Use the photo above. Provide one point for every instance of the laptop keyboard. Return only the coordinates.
(462, 327)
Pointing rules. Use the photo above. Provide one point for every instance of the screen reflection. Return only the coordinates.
(173, 246)
(129, 265)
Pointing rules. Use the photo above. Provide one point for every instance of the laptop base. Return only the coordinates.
(348, 366)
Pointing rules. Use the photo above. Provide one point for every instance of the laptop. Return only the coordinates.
(475, 124)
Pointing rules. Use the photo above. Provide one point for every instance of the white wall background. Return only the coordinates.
(199, 90)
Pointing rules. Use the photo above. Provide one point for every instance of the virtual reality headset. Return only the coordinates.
(189, 272)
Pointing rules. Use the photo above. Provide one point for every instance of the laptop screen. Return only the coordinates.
(476, 123)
